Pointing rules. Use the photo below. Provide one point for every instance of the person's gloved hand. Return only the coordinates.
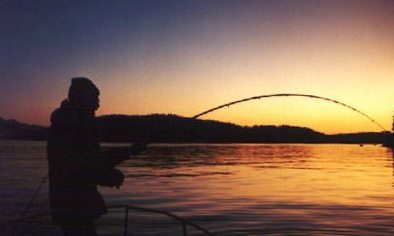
(113, 178)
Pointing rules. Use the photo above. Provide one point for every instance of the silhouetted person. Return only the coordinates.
(77, 164)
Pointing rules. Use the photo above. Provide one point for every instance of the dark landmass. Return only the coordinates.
(12, 129)
(177, 129)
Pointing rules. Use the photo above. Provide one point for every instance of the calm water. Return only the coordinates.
(293, 189)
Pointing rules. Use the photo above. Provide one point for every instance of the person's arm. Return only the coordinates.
(114, 177)
(116, 155)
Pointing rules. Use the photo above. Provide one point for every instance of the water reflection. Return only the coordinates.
(210, 155)
(241, 189)
(271, 189)
(392, 162)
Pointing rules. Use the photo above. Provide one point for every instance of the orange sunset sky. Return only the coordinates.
(184, 57)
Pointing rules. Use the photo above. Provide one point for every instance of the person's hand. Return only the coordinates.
(113, 178)
(138, 147)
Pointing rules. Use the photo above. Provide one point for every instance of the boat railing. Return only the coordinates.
(32, 221)
(183, 222)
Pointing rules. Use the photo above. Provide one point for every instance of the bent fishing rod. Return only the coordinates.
(290, 95)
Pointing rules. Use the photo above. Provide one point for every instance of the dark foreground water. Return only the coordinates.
(291, 189)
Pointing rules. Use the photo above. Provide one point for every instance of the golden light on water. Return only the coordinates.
(314, 174)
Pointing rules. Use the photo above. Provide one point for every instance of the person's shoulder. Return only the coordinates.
(61, 115)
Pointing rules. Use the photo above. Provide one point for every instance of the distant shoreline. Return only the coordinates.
(173, 129)
(205, 144)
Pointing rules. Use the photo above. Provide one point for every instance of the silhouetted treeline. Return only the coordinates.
(12, 129)
(365, 137)
(177, 129)
(166, 128)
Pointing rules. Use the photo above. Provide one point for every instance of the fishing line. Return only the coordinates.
(27, 207)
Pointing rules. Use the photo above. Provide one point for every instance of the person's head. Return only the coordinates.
(84, 94)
